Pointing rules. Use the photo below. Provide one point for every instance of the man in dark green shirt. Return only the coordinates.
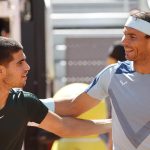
(19, 108)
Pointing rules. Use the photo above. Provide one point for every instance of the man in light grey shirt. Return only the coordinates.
(128, 85)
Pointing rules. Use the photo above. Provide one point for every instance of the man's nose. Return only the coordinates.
(124, 41)
(27, 67)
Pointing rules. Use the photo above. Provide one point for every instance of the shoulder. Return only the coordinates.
(108, 72)
(23, 95)
(27, 99)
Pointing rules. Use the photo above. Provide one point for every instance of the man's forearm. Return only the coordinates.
(73, 127)
(70, 106)
(75, 106)
(78, 127)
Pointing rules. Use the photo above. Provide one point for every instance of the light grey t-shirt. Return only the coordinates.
(130, 95)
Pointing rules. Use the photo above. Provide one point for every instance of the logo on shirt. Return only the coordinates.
(123, 82)
(1, 116)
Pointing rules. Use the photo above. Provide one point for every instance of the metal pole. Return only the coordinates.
(15, 25)
(50, 73)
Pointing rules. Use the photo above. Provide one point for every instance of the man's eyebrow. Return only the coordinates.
(125, 32)
(23, 59)
(131, 34)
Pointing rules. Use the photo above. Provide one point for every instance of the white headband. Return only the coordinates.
(138, 24)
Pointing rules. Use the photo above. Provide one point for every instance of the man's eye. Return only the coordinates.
(20, 62)
(133, 37)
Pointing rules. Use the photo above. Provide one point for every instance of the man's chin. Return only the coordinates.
(21, 85)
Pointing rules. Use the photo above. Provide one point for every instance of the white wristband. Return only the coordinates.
(49, 103)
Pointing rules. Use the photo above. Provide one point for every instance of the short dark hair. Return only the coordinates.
(8, 46)
(117, 51)
(141, 15)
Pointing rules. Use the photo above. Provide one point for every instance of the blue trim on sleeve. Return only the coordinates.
(96, 79)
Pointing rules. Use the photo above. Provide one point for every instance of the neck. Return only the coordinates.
(3, 96)
(143, 68)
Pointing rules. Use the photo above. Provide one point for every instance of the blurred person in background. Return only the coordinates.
(4, 28)
(116, 53)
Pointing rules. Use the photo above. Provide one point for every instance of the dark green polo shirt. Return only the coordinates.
(21, 107)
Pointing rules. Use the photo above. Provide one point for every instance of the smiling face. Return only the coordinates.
(137, 46)
(15, 73)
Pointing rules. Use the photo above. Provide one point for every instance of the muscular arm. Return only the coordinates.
(73, 102)
(75, 107)
(72, 127)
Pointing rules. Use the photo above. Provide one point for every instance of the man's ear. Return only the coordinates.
(2, 70)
